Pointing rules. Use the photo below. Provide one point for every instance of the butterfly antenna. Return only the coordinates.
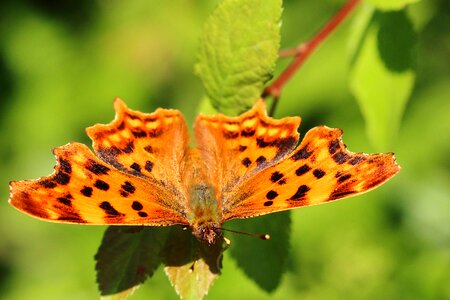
(263, 236)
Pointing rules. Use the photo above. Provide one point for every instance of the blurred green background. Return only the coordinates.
(63, 62)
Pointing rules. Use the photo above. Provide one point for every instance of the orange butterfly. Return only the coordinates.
(245, 166)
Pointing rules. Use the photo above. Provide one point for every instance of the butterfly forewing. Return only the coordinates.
(321, 169)
(138, 181)
(236, 148)
(151, 146)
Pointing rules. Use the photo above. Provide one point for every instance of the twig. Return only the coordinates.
(303, 51)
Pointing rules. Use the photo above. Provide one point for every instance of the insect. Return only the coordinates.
(145, 173)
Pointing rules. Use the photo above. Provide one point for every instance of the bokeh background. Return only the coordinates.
(63, 62)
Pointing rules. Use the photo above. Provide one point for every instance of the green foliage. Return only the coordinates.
(388, 244)
(382, 73)
(238, 50)
(191, 266)
(126, 257)
(263, 261)
(391, 4)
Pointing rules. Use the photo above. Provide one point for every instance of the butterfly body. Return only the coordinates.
(145, 173)
(205, 213)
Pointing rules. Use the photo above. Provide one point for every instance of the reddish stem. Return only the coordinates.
(304, 50)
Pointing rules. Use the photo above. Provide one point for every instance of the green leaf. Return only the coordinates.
(126, 257)
(191, 266)
(382, 73)
(238, 50)
(391, 4)
(264, 261)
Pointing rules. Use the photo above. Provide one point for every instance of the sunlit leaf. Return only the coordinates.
(382, 74)
(191, 266)
(391, 4)
(238, 50)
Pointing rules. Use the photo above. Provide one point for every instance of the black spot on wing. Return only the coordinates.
(260, 160)
(71, 216)
(242, 148)
(101, 185)
(137, 205)
(62, 178)
(333, 146)
(129, 148)
(318, 173)
(340, 157)
(128, 187)
(97, 168)
(65, 200)
(65, 166)
(271, 195)
(303, 153)
(154, 133)
(276, 176)
(246, 162)
(230, 134)
(261, 143)
(136, 167)
(48, 184)
(301, 193)
(86, 191)
(340, 194)
(148, 165)
(284, 145)
(109, 209)
(109, 154)
(356, 160)
(248, 132)
(344, 178)
(139, 133)
(148, 148)
(132, 116)
(302, 170)
(142, 214)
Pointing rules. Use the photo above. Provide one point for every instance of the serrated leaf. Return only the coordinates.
(126, 257)
(262, 261)
(238, 50)
(382, 73)
(391, 4)
(191, 266)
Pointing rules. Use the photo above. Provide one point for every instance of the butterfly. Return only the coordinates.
(144, 171)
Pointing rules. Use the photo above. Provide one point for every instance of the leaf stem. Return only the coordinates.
(303, 51)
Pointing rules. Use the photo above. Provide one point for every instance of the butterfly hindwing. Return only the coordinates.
(320, 169)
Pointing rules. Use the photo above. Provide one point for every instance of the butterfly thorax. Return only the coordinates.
(205, 217)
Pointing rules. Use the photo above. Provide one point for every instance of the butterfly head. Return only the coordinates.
(208, 233)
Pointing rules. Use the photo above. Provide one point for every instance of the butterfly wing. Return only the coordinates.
(130, 185)
(149, 146)
(320, 169)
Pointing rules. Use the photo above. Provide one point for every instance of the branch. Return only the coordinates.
(303, 51)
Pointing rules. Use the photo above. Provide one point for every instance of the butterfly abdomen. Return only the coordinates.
(204, 217)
